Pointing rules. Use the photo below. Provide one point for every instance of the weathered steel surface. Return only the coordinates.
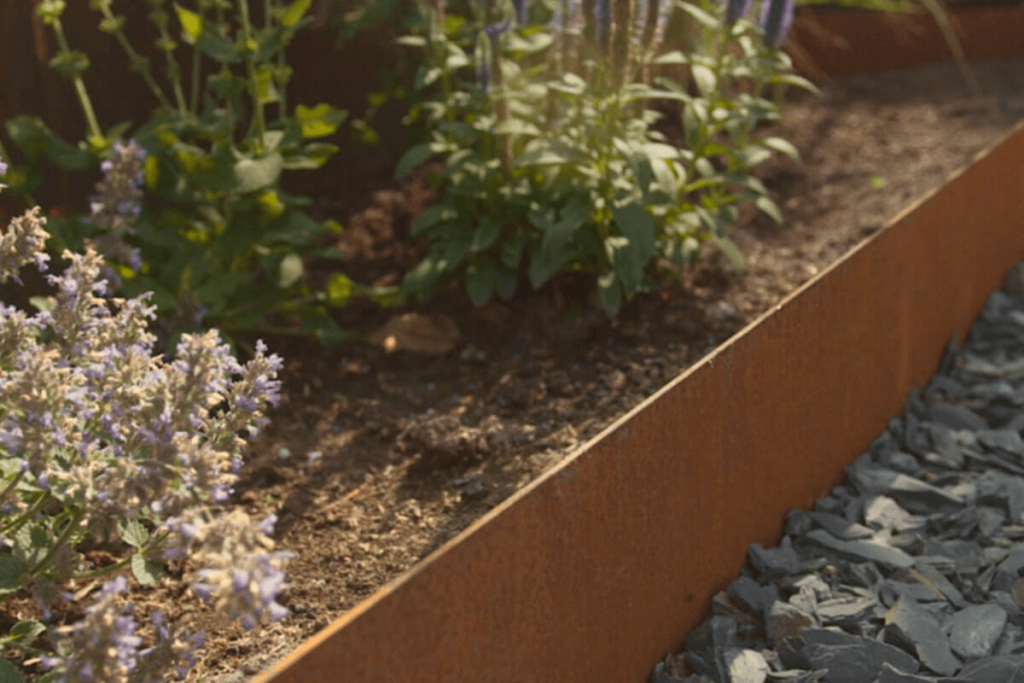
(602, 565)
(841, 42)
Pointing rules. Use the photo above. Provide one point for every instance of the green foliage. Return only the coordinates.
(220, 241)
(552, 162)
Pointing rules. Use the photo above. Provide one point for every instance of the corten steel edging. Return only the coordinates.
(603, 564)
(841, 42)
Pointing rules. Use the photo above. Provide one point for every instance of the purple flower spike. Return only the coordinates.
(776, 18)
(495, 30)
(3, 167)
(521, 11)
(734, 9)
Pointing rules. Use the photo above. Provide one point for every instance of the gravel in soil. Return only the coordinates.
(910, 570)
(375, 459)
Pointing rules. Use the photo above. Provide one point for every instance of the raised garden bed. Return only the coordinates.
(598, 568)
(401, 436)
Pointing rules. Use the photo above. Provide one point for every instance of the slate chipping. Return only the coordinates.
(911, 570)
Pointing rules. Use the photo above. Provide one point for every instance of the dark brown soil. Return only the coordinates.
(413, 447)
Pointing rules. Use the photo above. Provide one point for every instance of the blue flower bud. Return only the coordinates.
(734, 9)
(776, 18)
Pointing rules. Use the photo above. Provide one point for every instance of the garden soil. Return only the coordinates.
(379, 454)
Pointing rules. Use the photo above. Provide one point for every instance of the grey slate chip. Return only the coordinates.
(783, 620)
(886, 513)
(849, 658)
(863, 550)
(796, 676)
(745, 666)
(778, 561)
(1002, 439)
(753, 594)
(939, 580)
(918, 632)
(840, 527)
(975, 630)
(847, 610)
(956, 416)
(891, 674)
(1001, 669)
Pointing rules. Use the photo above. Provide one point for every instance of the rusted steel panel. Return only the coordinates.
(845, 41)
(602, 565)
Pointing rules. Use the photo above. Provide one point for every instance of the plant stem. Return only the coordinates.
(61, 540)
(250, 64)
(137, 62)
(20, 520)
(123, 562)
(83, 94)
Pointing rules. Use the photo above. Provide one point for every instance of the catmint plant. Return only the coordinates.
(101, 440)
(553, 161)
(203, 223)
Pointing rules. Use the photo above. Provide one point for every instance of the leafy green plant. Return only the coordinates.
(552, 162)
(218, 239)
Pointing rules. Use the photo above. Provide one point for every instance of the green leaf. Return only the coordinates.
(769, 207)
(430, 217)
(145, 571)
(609, 290)
(707, 83)
(781, 145)
(214, 44)
(10, 673)
(70, 64)
(10, 572)
(412, 41)
(555, 251)
(191, 24)
(798, 81)
(320, 121)
(413, 158)
(630, 259)
(485, 234)
(512, 250)
(256, 174)
(294, 12)
(290, 271)
(481, 279)
(672, 58)
(35, 139)
(702, 17)
(730, 249)
(339, 290)
(313, 156)
(31, 543)
(516, 127)
(24, 632)
(133, 533)
(505, 283)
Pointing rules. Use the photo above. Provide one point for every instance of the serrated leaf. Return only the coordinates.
(10, 572)
(133, 533)
(769, 207)
(24, 632)
(706, 80)
(290, 271)
(191, 24)
(70, 64)
(145, 571)
(31, 543)
(781, 145)
(319, 121)
(9, 673)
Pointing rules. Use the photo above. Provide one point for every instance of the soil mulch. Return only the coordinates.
(375, 459)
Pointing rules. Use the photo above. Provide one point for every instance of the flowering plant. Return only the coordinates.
(102, 441)
(219, 240)
(552, 160)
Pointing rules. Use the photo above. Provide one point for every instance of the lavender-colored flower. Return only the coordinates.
(603, 21)
(776, 18)
(734, 9)
(522, 11)
(118, 205)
